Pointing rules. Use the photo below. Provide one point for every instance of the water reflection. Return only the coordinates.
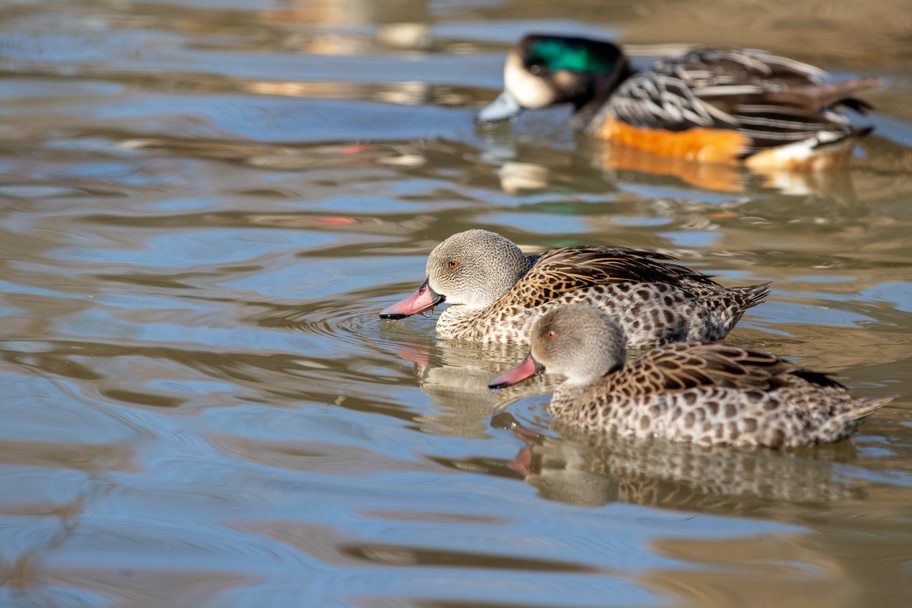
(398, 23)
(677, 476)
(48, 519)
(456, 379)
(204, 205)
(524, 165)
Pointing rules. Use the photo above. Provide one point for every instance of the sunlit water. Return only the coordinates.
(203, 206)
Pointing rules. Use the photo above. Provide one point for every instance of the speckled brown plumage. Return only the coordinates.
(701, 393)
(653, 299)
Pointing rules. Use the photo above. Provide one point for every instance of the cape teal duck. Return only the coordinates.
(712, 105)
(495, 291)
(707, 394)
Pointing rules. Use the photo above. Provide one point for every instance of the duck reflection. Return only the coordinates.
(456, 379)
(601, 469)
(523, 167)
(402, 24)
(717, 177)
(545, 162)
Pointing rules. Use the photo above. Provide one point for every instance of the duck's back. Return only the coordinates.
(732, 105)
(563, 270)
(654, 300)
(717, 394)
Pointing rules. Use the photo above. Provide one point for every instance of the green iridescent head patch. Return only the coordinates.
(559, 54)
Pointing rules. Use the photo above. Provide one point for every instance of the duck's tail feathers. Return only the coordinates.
(859, 106)
(864, 408)
(820, 96)
(751, 295)
(841, 93)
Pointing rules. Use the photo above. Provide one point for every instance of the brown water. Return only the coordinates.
(203, 206)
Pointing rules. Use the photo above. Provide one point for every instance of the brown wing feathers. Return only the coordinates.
(690, 365)
(566, 269)
(772, 100)
(560, 271)
(595, 265)
(821, 96)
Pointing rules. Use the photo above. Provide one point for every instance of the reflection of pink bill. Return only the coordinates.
(334, 220)
(417, 356)
(356, 149)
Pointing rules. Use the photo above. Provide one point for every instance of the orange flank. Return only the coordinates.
(697, 144)
(725, 147)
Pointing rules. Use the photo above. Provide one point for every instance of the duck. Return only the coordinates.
(709, 105)
(495, 291)
(703, 393)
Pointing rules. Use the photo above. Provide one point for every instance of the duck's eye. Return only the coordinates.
(551, 334)
(453, 264)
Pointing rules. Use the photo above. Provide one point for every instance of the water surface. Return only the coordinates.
(204, 204)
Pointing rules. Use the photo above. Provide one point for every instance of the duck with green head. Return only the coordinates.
(542, 71)
(714, 105)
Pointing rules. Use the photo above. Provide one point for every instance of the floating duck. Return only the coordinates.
(495, 291)
(710, 105)
(707, 394)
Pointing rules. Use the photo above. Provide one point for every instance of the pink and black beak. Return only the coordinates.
(423, 299)
(525, 370)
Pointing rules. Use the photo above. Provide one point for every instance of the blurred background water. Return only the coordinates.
(203, 205)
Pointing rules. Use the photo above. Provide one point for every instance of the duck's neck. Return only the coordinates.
(572, 400)
(461, 322)
(457, 321)
(588, 107)
(567, 398)
(529, 263)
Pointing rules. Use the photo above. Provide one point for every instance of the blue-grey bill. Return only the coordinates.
(502, 108)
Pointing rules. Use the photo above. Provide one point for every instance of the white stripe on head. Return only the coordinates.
(530, 91)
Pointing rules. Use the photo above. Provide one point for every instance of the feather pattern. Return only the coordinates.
(495, 291)
(704, 393)
(688, 365)
(713, 394)
(772, 100)
(566, 269)
(655, 300)
(708, 105)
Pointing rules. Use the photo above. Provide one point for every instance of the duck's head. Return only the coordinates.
(472, 269)
(543, 70)
(576, 341)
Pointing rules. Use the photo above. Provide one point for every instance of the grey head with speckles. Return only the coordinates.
(579, 342)
(475, 268)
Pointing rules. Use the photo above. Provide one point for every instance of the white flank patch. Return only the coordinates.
(815, 153)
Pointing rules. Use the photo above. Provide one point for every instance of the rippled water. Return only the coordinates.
(203, 205)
